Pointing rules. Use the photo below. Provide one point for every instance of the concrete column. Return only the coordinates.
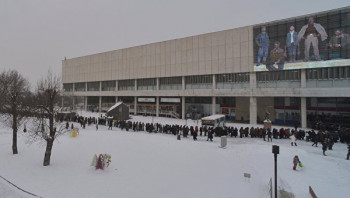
(135, 105)
(85, 103)
(100, 86)
(135, 84)
(252, 80)
(214, 81)
(157, 84)
(157, 106)
(183, 83)
(303, 112)
(213, 105)
(183, 107)
(74, 98)
(62, 100)
(303, 78)
(253, 110)
(73, 88)
(85, 86)
(99, 104)
(116, 99)
(116, 85)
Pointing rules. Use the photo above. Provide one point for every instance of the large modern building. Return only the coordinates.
(218, 73)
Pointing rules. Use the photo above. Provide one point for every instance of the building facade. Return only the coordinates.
(218, 73)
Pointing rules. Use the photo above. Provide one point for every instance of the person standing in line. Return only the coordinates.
(293, 140)
(348, 155)
(195, 135)
(269, 135)
(324, 147)
(264, 134)
(110, 124)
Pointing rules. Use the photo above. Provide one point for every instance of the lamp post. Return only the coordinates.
(275, 151)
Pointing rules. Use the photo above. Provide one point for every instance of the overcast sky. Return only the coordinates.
(35, 35)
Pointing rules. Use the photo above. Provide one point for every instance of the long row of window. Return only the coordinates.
(206, 81)
(328, 73)
(236, 77)
(288, 75)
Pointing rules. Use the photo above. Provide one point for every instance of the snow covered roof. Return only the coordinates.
(213, 117)
(114, 106)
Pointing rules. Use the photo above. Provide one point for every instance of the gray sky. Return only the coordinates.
(35, 35)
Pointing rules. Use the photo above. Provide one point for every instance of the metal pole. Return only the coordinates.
(275, 175)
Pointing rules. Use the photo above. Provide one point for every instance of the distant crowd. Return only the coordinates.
(326, 138)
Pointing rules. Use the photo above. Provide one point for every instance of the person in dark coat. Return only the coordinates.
(269, 135)
(235, 132)
(241, 132)
(210, 134)
(330, 143)
(324, 147)
(194, 135)
(348, 155)
(315, 139)
(264, 134)
(110, 124)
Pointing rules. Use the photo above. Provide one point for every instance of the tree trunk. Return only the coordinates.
(49, 145)
(14, 133)
(14, 142)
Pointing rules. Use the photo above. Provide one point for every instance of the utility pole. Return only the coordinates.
(275, 151)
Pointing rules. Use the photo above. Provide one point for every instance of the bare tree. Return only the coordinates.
(3, 88)
(44, 125)
(14, 89)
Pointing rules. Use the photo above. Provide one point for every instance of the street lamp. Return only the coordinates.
(275, 151)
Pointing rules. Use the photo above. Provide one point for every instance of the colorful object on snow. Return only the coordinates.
(300, 165)
(75, 132)
(99, 164)
(102, 161)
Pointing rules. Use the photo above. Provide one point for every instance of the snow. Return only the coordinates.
(213, 117)
(114, 106)
(157, 165)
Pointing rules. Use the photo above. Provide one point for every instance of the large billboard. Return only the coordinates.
(320, 40)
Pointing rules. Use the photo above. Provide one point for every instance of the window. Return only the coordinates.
(233, 77)
(289, 75)
(171, 83)
(199, 82)
(108, 85)
(126, 85)
(68, 87)
(79, 86)
(93, 86)
(147, 84)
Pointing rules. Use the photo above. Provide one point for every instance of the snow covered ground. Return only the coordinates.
(157, 165)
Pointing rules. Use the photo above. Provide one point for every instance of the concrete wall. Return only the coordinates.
(262, 104)
(242, 108)
(228, 51)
